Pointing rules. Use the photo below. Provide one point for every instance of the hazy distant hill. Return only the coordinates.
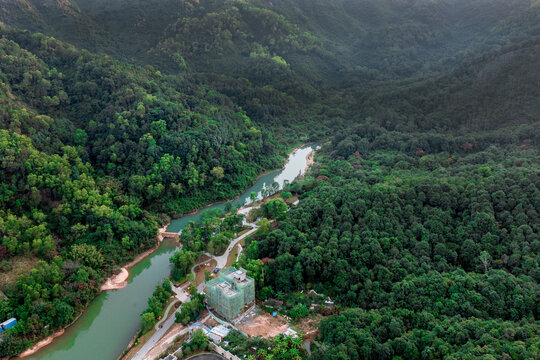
(403, 38)
(344, 39)
(498, 88)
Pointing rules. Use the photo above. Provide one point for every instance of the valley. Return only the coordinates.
(129, 128)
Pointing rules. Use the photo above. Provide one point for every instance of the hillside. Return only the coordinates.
(497, 88)
(428, 242)
(348, 39)
(396, 39)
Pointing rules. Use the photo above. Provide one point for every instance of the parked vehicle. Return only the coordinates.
(7, 324)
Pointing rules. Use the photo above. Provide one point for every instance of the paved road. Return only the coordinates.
(140, 355)
(206, 357)
(165, 314)
(222, 260)
(165, 324)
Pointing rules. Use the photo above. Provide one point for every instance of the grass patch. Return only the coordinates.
(232, 255)
(242, 232)
(11, 269)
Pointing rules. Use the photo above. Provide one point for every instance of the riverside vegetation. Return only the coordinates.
(420, 217)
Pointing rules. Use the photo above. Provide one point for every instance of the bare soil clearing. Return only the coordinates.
(309, 327)
(264, 325)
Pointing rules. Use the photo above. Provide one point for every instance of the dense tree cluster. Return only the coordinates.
(405, 334)
(431, 224)
(259, 348)
(212, 234)
(156, 305)
(494, 89)
(162, 136)
(192, 309)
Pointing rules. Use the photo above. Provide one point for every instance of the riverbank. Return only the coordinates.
(310, 159)
(34, 349)
(119, 280)
(193, 212)
(282, 168)
(114, 282)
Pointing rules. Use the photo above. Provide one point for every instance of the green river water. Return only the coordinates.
(113, 318)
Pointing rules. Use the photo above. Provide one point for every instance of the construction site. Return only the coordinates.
(231, 293)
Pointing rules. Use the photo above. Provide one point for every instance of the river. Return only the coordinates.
(112, 319)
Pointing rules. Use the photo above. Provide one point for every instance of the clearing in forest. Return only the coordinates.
(264, 325)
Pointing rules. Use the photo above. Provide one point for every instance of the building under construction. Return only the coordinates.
(229, 293)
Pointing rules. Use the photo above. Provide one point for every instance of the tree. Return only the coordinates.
(148, 320)
(274, 209)
(183, 260)
(485, 259)
(287, 348)
(190, 310)
(217, 172)
(286, 195)
(299, 311)
(87, 255)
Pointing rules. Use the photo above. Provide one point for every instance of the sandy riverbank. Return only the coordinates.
(119, 281)
(310, 159)
(41, 344)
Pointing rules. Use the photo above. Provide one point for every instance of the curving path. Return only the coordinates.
(206, 356)
(222, 260)
(141, 354)
(165, 314)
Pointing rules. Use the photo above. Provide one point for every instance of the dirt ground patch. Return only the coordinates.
(309, 327)
(167, 342)
(264, 325)
(199, 272)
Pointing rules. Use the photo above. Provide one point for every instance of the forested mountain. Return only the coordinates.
(390, 38)
(383, 37)
(421, 215)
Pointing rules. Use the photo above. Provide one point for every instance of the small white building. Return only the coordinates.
(290, 332)
(218, 333)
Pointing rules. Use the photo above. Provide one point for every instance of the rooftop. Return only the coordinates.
(227, 288)
(220, 330)
(238, 276)
(290, 332)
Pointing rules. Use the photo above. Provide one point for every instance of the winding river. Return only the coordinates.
(113, 318)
